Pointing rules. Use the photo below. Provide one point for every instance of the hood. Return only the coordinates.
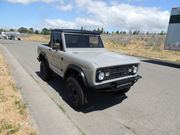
(104, 58)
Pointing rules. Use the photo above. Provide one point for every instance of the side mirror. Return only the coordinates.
(55, 47)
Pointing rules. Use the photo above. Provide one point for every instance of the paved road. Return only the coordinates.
(152, 107)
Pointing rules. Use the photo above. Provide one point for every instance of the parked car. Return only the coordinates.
(80, 58)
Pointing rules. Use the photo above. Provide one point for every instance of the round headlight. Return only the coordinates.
(135, 69)
(101, 76)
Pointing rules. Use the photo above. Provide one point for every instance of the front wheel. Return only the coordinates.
(45, 71)
(75, 93)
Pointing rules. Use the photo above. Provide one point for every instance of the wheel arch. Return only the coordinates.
(73, 69)
(42, 56)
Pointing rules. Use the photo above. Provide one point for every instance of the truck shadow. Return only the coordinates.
(96, 100)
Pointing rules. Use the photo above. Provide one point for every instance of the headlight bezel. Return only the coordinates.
(102, 73)
(134, 68)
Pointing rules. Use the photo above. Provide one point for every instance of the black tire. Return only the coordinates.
(46, 72)
(123, 91)
(75, 93)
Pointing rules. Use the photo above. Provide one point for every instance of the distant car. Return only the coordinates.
(19, 38)
(81, 59)
(1, 37)
(12, 37)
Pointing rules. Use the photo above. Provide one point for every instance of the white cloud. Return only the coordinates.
(30, 1)
(108, 14)
(77, 23)
(125, 16)
(64, 8)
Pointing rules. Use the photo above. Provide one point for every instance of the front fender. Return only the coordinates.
(79, 70)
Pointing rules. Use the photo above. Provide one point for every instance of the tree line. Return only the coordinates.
(46, 31)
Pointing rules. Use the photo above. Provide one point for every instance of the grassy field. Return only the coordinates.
(14, 117)
(150, 46)
(138, 48)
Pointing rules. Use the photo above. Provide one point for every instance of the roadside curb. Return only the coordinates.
(45, 114)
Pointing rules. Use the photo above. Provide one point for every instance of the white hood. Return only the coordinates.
(103, 58)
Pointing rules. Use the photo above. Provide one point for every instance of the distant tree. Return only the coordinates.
(82, 28)
(102, 30)
(136, 32)
(45, 31)
(98, 30)
(117, 32)
(147, 33)
(31, 31)
(107, 32)
(36, 31)
(124, 32)
(162, 33)
(12, 29)
(23, 30)
(1, 30)
(130, 32)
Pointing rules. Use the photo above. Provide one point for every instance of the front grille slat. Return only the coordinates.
(117, 71)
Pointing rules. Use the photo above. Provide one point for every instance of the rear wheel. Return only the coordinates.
(75, 93)
(46, 72)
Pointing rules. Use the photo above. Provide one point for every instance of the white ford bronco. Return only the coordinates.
(80, 58)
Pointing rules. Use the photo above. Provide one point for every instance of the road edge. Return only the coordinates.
(48, 119)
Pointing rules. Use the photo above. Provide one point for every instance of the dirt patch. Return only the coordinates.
(14, 117)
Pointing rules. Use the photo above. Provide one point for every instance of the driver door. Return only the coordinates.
(57, 53)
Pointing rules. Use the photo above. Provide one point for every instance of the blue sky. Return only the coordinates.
(145, 15)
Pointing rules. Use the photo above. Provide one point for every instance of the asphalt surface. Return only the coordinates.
(151, 107)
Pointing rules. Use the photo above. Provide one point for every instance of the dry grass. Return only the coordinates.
(14, 118)
(39, 38)
(139, 48)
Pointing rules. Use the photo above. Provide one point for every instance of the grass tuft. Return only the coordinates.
(13, 131)
(21, 106)
(32, 133)
(62, 109)
(14, 87)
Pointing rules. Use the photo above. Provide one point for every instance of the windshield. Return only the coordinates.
(83, 41)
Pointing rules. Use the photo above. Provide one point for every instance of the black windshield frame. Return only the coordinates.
(83, 41)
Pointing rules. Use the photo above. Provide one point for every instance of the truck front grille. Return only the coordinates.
(116, 72)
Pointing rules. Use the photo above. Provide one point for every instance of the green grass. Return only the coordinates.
(156, 48)
(13, 131)
(21, 106)
(11, 128)
(129, 128)
(14, 87)
(178, 61)
(3, 98)
(32, 133)
(62, 109)
(0, 130)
